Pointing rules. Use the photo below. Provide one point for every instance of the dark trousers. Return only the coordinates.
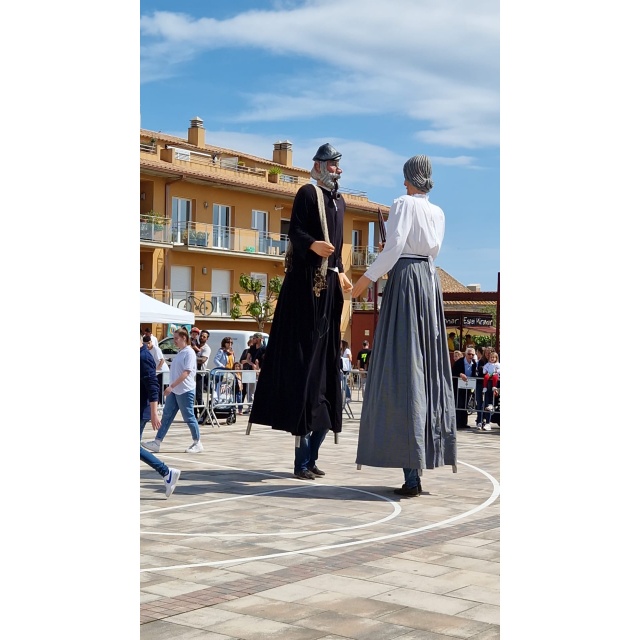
(202, 383)
(160, 377)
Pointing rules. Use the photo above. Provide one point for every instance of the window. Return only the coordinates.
(220, 291)
(284, 235)
(221, 226)
(180, 283)
(259, 223)
(180, 217)
(357, 250)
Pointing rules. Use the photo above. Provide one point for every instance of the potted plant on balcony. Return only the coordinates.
(189, 236)
(201, 238)
(157, 219)
(146, 227)
(274, 174)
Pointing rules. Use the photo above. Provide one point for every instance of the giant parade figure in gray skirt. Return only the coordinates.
(408, 411)
(299, 388)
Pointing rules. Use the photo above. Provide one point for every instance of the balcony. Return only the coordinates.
(363, 257)
(229, 239)
(358, 305)
(214, 164)
(148, 147)
(154, 228)
(203, 304)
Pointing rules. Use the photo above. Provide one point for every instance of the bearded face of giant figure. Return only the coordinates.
(327, 173)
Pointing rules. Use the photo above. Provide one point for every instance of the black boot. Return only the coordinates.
(403, 491)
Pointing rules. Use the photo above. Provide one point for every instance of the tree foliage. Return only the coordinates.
(259, 309)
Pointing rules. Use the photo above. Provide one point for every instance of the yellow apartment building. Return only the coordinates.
(209, 214)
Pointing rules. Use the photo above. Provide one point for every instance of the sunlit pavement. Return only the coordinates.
(242, 549)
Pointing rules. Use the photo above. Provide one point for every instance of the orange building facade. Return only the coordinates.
(209, 214)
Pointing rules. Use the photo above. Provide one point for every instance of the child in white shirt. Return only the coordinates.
(491, 370)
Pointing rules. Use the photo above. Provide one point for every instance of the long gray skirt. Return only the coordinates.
(408, 411)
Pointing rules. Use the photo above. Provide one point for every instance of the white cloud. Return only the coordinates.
(457, 161)
(435, 62)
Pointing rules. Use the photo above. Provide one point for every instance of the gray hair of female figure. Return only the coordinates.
(417, 171)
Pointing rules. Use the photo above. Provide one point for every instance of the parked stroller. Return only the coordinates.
(223, 400)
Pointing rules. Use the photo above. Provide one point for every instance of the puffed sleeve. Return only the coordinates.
(397, 227)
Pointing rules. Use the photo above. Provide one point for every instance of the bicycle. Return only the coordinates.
(203, 306)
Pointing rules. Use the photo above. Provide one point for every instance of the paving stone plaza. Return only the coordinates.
(244, 550)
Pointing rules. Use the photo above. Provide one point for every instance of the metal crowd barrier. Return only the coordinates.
(356, 379)
(473, 398)
(469, 396)
(216, 394)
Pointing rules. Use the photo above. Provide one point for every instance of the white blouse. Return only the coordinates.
(415, 227)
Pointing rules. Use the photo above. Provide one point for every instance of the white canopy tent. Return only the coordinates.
(152, 310)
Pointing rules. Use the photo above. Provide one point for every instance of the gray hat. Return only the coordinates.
(327, 152)
(417, 171)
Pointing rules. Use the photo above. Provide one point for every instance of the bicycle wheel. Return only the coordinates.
(206, 307)
(185, 304)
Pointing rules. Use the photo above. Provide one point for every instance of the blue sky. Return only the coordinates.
(381, 81)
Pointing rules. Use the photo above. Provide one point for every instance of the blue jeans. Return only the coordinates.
(184, 402)
(345, 385)
(411, 478)
(153, 462)
(307, 453)
(149, 458)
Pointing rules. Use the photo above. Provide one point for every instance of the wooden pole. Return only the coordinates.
(498, 317)
(375, 308)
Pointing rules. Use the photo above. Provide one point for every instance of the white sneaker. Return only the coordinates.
(151, 445)
(196, 447)
(487, 427)
(170, 480)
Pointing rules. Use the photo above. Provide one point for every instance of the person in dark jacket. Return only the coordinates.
(299, 388)
(149, 393)
(463, 368)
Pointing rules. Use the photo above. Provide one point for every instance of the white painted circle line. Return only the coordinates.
(492, 498)
(396, 512)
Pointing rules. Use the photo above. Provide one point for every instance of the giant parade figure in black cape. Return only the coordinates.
(299, 388)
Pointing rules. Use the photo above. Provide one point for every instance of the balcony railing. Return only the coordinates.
(358, 305)
(155, 229)
(204, 304)
(214, 162)
(363, 256)
(208, 236)
(148, 147)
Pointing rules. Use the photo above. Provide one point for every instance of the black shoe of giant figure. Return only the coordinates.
(403, 491)
(316, 471)
(404, 486)
(305, 474)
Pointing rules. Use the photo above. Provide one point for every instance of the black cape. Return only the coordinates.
(299, 388)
